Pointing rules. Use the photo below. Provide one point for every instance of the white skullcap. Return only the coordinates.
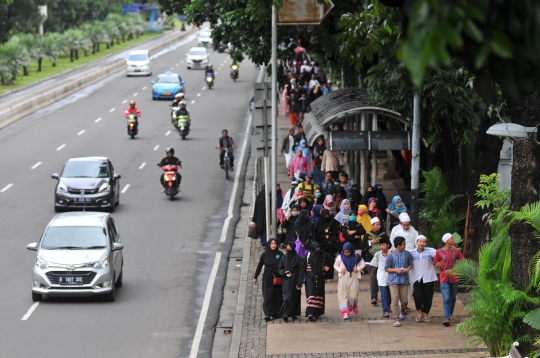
(374, 220)
(421, 237)
(446, 237)
(404, 218)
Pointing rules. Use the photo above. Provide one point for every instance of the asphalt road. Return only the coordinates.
(170, 247)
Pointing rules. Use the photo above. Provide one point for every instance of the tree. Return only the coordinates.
(53, 46)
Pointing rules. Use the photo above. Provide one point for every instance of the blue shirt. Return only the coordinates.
(401, 259)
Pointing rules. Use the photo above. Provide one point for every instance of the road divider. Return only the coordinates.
(6, 187)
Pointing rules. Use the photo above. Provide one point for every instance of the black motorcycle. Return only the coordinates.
(234, 72)
(132, 126)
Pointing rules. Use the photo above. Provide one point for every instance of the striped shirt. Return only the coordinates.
(403, 260)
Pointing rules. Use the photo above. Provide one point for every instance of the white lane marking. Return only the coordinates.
(61, 147)
(235, 186)
(112, 109)
(97, 120)
(198, 94)
(30, 311)
(36, 165)
(124, 101)
(135, 94)
(168, 132)
(182, 61)
(172, 68)
(144, 88)
(216, 72)
(142, 165)
(81, 132)
(156, 147)
(125, 189)
(204, 308)
(177, 64)
(203, 88)
(6, 187)
(192, 101)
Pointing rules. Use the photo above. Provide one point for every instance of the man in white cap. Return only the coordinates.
(336, 86)
(287, 199)
(305, 67)
(423, 278)
(369, 248)
(406, 230)
(445, 259)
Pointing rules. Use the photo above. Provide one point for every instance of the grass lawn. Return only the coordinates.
(62, 63)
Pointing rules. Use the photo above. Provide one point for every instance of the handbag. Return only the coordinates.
(252, 231)
(277, 281)
(341, 237)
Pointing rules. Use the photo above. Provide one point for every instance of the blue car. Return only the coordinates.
(167, 85)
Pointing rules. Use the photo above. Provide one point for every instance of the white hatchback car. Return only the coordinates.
(205, 39)
(197, 57)
(138, 63)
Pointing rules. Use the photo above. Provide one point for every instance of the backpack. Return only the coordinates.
(311, 192)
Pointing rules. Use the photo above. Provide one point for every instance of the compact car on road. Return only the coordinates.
(138, 63)
(167, 85)
(197, 57)
(87, 183)
(205, 39)
(79, 254)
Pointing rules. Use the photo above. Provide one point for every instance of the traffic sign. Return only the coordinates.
(303, 12)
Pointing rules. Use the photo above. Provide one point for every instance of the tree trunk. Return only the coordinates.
(76, 54)
(71, 55)
(486, 154)
(123, 37)
(85, 52)
(97, 47)
(25, 71)
(39, 61)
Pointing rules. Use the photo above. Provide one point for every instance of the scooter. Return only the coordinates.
(182, 126)
(209, 80)
(173, 112)
(133, 126)
(170, 177)
(234, 72)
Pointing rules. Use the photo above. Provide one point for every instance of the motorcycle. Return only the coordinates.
(170, 179)
(173, 112)
(133, 126)
(234, 72)
(209, 80)
(182, 126)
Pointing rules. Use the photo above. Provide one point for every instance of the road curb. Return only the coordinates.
(22, 109)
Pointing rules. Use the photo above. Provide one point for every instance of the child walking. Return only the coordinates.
(348, 265)
(378, 263)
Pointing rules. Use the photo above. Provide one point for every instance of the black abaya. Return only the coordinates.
(315, 281)
(272, 295)
(294, 264)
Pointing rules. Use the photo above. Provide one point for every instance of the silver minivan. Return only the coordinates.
(138, 63)
(79, 254)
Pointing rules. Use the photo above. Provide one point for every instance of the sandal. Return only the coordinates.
(386, 315)
(446, 323)
(374, 301)
(418, 319)
(397, 324)
(426, 319)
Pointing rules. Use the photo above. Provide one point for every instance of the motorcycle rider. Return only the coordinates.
(233, 63)
(208, 70)
(226, 143)
(170, 159)
(177, 98)
(133, 110)
(183, 111)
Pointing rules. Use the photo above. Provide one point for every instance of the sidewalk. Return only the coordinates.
(367, 334)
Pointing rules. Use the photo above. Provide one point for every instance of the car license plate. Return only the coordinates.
(69, 280)
(137, 70)
(166, 93)
(83, 200)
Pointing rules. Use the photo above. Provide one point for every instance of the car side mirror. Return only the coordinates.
(54, 176)
(152, 82)
(117, 246)
(117, 176)
(32, 246)
(182, 82)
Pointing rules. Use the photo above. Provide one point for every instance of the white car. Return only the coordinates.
(197, 57)
(138, 63)
(205, 39)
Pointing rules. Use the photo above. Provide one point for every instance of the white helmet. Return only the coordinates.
(183, 102)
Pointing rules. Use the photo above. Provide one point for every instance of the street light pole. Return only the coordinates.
(274, 121)
(415, 165)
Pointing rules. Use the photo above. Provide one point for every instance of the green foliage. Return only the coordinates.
(531, 215)
(437, 212)
(497, 309)
(497, 201)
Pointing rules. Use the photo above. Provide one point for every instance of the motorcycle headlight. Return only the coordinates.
(209, 79)
(104, 262)
(42, 264)
(62, 187)
(104, 187)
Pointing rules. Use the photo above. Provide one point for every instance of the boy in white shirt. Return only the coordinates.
(423, 277)
(378, 264)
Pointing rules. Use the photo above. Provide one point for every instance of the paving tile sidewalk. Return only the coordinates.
(367, 334)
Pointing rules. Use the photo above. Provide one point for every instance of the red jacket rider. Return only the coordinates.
(132, 110)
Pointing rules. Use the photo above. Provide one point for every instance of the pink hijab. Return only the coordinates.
(329, 199)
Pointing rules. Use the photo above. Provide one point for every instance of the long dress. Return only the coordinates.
(272, 295)
(348, 287)
(315, 282)
(294, 264)
(304, 231)
(326, 234)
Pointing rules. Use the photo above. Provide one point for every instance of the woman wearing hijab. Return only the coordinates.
(354, 196)
(299, 165)
(340, 195)
(345, 209)
(330, 204)
(298, 193)
(326, 232)
(315, 214)
(290, 268)
(305, 151)
(348, 265)
(288, 224)
(352, 231)
(272, 293)
(304, 232)
(318, 198)
(318, 151)
(304, 203)
(316, 264)
(381, 198)
(368, 194)
(373, 210)
(285, 96)
(396, 207)
(363, 218)
(259, 215)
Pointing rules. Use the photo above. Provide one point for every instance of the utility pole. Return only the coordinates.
(415, 165)
(274, 122)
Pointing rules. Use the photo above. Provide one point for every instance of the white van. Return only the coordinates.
(138, 63)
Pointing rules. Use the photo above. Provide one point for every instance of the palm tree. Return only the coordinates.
(30, 47)
(6, 53)
(96, 33)
(53, 46)
(121, 23)
(112, 31)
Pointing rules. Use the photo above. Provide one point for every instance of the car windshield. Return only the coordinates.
(167, 79)
(138, 57)
(89, 169)
(205, 35)
(74, 238)
(197, 53)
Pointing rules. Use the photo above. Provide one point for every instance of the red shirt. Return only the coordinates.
(132, 111)
(448, 259)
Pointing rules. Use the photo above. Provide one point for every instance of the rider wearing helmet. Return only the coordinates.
(208, 70)
(132, 110)
(234, 62)
(183, 111)
(170, 159)
(177, 98)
